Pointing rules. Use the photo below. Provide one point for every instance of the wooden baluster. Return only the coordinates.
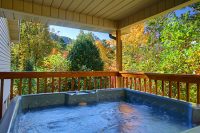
(115, 82)
(38, 85)
(20, 87)
(131, 83)
(100, 83)
(66, 84)
(29, 86)
(45, 85)
(59, 84)
(1, 98)
(110, 82)
(84, 87)
(140, 85)
(198, 93)
(72, 84)
(150, 86)
(11, 89)
(89, 83)
(135, 84)
(156, 87)
(178, 89)
(104, 82)
(170, 89)
(126, 82)
(163, 88)
(95, 83)
(123, 82)
(79, 85)
(53, 86)
(187, 92)
(145, 85)
(106, 79)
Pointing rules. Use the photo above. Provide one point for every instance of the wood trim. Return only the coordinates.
(191, 78)
(15, 75)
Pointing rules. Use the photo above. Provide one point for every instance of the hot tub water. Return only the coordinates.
(111, 117)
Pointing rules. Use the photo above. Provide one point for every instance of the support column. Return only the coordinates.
(118, 57)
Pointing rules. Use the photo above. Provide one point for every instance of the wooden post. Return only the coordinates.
(118, 57)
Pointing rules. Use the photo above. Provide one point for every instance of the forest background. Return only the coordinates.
(166, 44)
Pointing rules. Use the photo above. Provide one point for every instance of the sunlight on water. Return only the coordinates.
(111, 117)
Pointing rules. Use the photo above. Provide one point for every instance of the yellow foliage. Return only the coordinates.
(137, 36)
(104, 53)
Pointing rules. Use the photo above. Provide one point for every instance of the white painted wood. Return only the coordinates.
(5, 58)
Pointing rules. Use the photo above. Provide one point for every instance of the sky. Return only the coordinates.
(72, 33)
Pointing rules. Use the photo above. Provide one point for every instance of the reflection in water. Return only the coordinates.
(129, 120)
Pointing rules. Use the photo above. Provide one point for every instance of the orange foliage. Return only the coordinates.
(65, 54)
(54, 51)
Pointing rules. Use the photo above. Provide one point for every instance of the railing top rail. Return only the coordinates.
(14, 75)
(191, 78)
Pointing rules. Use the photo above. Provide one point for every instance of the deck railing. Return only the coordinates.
(179, 86)
(22, 83)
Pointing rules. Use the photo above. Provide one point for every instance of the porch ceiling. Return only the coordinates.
(96, 15)
(14, 30)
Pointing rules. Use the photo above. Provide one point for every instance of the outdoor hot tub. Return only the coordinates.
(109, 110)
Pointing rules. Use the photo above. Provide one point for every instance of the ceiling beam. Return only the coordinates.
(14, 30)
(18, 9)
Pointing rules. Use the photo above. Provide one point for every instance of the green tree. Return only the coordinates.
(181, 44)
(35, 44)
(84, 55)
(56, 63)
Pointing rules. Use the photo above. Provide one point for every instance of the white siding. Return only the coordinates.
(5, 57)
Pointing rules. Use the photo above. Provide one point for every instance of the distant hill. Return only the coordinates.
(96, 38)
(67, 40)
(61, 39)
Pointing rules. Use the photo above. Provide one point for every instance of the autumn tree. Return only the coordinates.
(107, 54)
(134, 47)
(56, 63)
